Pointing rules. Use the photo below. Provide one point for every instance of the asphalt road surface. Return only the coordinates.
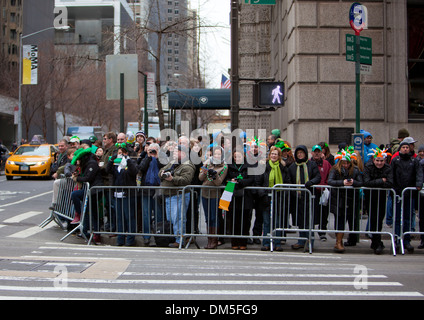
(34, 264)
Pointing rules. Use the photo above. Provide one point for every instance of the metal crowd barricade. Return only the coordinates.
(348, 205)
(236, 223)
(291, 211)
(208, 220)
(138, 211)
(64, 208)
(143, 211)
(411, 203)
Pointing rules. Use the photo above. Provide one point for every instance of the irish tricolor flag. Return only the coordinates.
(225, 200)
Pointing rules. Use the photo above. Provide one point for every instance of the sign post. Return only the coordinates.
(358, 22)
(122, 80)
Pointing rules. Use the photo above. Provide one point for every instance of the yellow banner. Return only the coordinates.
(30, 65)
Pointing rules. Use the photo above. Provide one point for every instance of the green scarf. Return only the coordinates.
(305, 172)
(275, 176)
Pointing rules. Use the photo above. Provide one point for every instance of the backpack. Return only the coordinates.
(163, 227)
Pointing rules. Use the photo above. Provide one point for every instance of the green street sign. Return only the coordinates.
(260, 1)
(365, 49)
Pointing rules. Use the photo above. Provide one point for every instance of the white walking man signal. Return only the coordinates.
(276, 93)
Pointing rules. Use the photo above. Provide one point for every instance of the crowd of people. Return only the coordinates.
(130, 160)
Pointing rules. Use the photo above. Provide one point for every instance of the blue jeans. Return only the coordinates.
(266, 214)
(77, 197)
(150, 205)
(210, 207)
(175, 214)
(126, 222)
(406, 218)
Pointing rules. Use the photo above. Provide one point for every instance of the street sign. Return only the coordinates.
(365, 49)
(358, 143)
(128, 65)
(358, 17)
(260, 2)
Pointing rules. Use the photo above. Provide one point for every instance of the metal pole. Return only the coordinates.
(122, 121)
(20, 92)
(234, 65)
(358, 82)
(146, 114)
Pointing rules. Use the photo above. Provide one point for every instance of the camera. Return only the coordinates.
(168, 173)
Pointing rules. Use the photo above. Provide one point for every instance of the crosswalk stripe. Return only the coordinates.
(29, 232)
(211, 282)
(22, 217)
(197, 292)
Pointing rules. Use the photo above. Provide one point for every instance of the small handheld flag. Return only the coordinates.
(227, 196)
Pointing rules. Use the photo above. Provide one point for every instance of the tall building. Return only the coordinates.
(307, 50)
(99, 22)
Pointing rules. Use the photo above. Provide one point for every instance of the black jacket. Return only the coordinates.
(313, 170)
(127, 176)
(373, 177)
(235, 171)
(336, 179)
(407, 172)
(90, 171)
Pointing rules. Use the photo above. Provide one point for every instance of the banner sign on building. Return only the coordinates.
(30, 64)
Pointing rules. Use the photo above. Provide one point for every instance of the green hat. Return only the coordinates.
(79, 154)
(316, 147)
(282, 145)
(276, 132)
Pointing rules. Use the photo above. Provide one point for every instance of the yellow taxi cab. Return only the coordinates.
(30, 160)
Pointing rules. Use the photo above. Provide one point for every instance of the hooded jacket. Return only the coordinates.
(313, 170)
(407, 172)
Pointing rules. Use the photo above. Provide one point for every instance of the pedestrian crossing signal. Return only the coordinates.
(271, 94)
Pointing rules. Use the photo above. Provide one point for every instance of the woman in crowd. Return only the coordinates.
(275, 173)
(344, 173)
(151, 206)
(212, 174)
(306, 173)
(239, 214)
(326, 152)
(378, 174)
(89, 172)
(124, 171)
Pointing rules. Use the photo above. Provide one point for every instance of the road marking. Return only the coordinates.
(210, 282)
(26, 199)
(247, 275)
(220, 293)
(22, 217)
(29, 232)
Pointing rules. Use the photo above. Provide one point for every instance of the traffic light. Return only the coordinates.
(271, 94)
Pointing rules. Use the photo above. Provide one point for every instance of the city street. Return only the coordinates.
(34, 264)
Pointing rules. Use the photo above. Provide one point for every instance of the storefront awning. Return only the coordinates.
(200, 99)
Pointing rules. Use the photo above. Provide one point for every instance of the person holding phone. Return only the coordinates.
(344, 174)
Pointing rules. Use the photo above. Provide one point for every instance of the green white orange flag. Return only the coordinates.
(227, 196)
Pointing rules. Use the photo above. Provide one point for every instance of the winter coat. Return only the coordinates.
(235, 171)
(221, 172)
(313, 171)
(373, 177)
(183, 175)
(90, 171)
(125, 177)
(263, 199)
(407, 172)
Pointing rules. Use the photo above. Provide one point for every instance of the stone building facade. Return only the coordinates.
(303, 43)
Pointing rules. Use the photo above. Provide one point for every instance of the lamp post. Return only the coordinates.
(21, 37)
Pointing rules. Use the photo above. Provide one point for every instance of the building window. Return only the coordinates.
(416, 61)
